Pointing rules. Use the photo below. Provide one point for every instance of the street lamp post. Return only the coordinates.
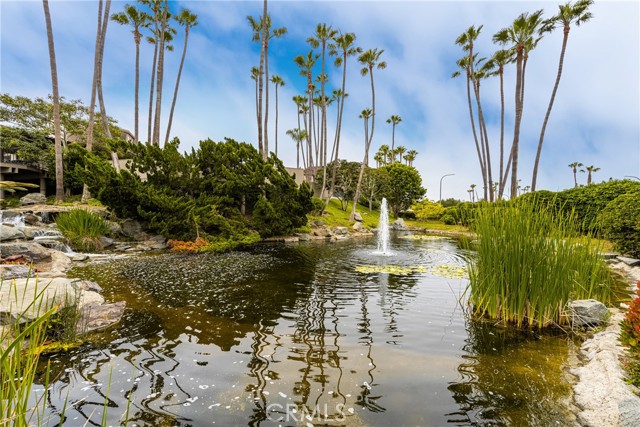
(443, 177)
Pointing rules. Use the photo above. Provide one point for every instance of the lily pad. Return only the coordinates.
(448, 271)
(391, 269)
(422, 237)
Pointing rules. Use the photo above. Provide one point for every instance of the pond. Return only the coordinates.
(305, 334)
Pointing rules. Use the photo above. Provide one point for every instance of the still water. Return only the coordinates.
(290, 335)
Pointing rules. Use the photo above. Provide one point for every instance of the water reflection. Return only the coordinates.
(289, 335)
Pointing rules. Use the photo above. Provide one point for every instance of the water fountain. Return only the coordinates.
(383, 229)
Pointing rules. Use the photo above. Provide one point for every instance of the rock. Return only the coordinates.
(587, 312)
(131, 228)
(99, 316)
(156, 242)
(32, 250)
(303, 237)
(114, 228)
(607, 255)
(31, 219)
(11, 217)
(358, 217)
(358, 227)
(291, 239)
(33, 199)
(80, 257)
(341, 231)
(398, 224)
(16, 300)
(85, 285)
(122, 248)
(16, 272)
(631, 262)
(9, 232)
(105, 241)
(318, 223)
(322, 232)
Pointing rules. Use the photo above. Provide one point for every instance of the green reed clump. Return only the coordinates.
(20, 345)
(531, 262)
(82, 228)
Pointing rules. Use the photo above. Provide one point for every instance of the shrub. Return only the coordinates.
(630, 337)
(427, 209)
(409, 215)
(448, 219)
(317, 205)
(82, 229)
(620, 223)
(530, 264)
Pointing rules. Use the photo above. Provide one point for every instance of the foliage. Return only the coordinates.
(197, 245)
(12, 186)
(33, 148)
(223, 192)
(375, 183)
(446, 203)
(404, 188)
(619, 222)
(346, 180)
(427, 209)
(530, 264)
(630, 337)
(317, 205)
(463, 213)
(82, 228)
(448, 219)
(335, 216)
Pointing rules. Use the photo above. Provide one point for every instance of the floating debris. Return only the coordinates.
(449, 271)
(391, 269)
(422, 237)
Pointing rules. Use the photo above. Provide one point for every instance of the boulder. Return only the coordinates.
(99, 316)
(587, 312)
(31, 219)
(34, 251)
(358, 217)
(398, 224)
(114, 228)
(303, 237)
(631, 262)
(17, 299)
(9, 232)
(105, 242)
(8, 272)
(131, 228)
(341, 231)
(318, 223)
(359, 227)
(85, 285)
(33, 199)
(156, 242)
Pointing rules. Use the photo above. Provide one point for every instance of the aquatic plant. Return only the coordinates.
(531, 262)
(390, 269)
(82, 228)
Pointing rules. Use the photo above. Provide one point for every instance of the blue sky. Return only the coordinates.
(595, 119)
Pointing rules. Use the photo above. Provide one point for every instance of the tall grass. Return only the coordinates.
(82, 228)
(19, 354)
(531, 262)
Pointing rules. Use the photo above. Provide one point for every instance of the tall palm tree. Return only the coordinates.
(501, 58)
(163, 24)
(591, 169)
(394, 120)
(568, 14)
(255, 76)
(370, 60)
(574, 167)
(385, 153)
(398, 152)
(484, 69)
(188, 20)
(56, 105)
(520, 35)
(136, 19)
(410, 157)
(103, 36)
(306, 64)
(342, 47)
(277, 81)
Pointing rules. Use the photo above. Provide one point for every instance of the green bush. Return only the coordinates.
(317, 205)
(426, 210)
(409, 215)
(448, 219)
(619, 222)
(82, 229)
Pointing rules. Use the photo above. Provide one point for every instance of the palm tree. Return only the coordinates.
(56, 105)
(568, 14)
(521, 36)
(342, 48)
(473, 192)
(163, 18)
(574, 167)
(103, 36)
(188, 20)
(277, 81)
(591, 169)
(399, 152)
(255, 75)
(306, 64)
(370, 59)
(298, 136)
(136, 19)
(500, 59)
(385, 154)
(410, 157)
(394, 120)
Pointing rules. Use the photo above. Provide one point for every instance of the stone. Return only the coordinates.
(8, 272)
(114, 228)
(587, 312)
(9, 232)
(85, 285)
(156, 242)
(122, 248)
(33, 199)
(105, 241)
(398, 224)
(16, 300)
(358, 227)
(608, 255)
(291, 239)
(31, 250)
(95, 316)
(629, 412)
(131, 228)
(31, 219)
(358, 217)
(341, 231)
(303, 237)
(631, 262)
(80, 257)
(318, 223)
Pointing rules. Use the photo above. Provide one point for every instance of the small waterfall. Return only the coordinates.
(383, 229)
(15, 219)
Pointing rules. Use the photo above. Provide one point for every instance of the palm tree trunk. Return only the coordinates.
(473, 128)
(546, 117)
(137, 89)
(56, 105)
(152, 85)
(103, 36)
(160, 76)
(501, 184)
(516, 127)
(175, 91)
(276, 136)
(363, 166)
(266, 99)
(393, 141)
(483, 127)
